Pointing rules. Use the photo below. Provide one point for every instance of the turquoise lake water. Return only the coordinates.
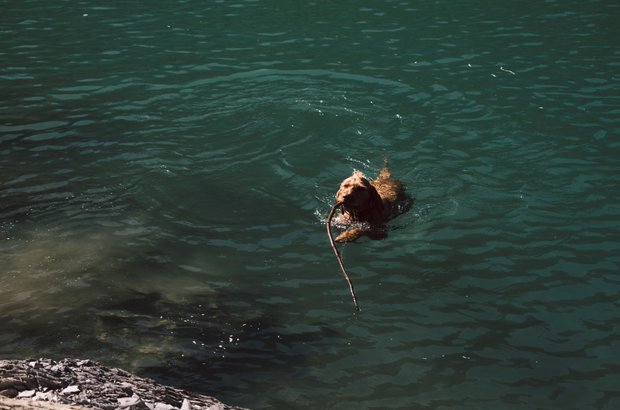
(167, 167)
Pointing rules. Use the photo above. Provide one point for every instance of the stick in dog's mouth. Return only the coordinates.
(331, 241)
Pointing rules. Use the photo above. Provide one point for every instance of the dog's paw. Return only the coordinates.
(350, 235)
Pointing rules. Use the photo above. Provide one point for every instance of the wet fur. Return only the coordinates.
(368, 205)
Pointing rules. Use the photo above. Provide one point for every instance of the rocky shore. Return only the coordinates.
(84, 384)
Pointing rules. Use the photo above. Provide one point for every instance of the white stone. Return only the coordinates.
(26, 394)
(48, 396)
(70, 389)
(164, 406)
(133, 402)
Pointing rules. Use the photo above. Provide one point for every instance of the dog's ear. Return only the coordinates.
(374, 199)
(375, 202)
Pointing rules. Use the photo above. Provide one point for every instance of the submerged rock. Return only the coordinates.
(50, 384)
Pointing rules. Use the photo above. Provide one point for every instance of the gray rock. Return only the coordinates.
(10, 392)
(12, 382)
(88, 383)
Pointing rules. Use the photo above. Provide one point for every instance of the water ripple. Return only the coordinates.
(166, 172)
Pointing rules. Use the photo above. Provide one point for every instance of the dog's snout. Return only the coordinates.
(350, 195)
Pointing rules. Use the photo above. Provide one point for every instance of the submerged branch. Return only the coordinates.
(331, 241)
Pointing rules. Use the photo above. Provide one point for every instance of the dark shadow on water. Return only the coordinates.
(206, 345)
(139, 303)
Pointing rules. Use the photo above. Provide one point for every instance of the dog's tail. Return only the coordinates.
(385, 172)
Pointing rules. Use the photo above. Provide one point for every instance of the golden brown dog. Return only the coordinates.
(367, 206)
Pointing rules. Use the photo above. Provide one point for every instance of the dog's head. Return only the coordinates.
(358, 197)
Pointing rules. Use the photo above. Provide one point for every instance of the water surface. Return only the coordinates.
(167, 168)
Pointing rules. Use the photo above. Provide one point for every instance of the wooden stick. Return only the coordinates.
(331, 241)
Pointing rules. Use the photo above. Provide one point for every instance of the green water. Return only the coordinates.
(166, 169)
